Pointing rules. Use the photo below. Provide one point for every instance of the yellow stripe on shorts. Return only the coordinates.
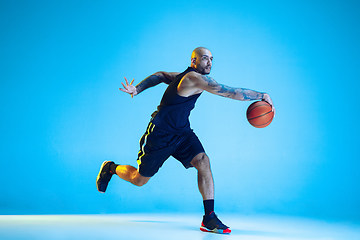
(148, 131)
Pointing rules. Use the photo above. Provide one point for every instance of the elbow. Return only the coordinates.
(163, 77)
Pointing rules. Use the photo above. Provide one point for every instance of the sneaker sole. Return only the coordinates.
(215, 230)
(98, 176)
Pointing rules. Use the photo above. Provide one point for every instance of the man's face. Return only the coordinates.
(203, 62)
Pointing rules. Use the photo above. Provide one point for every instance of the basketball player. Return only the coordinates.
(169, 133)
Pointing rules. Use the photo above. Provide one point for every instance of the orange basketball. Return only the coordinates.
(259, 114)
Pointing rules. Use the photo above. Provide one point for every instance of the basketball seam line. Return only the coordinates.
(259, 105)
(260, 115)
(258, 125)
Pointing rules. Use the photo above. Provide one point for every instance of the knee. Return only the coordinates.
(201, 161)
(139, 180)
(139, 183)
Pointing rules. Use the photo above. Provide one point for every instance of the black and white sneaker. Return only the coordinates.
(211, 223)
(104, 176)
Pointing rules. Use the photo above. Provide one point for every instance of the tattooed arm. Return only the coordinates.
(151, 81)
(194, 83)
(242, 94)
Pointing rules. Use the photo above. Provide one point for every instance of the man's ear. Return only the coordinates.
(193, 61)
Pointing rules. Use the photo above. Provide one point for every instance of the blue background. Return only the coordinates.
(62, 115)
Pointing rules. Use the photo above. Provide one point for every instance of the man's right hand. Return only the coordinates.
(129, 88)
(267, 99)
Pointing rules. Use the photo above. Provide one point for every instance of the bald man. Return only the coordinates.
(169, 133)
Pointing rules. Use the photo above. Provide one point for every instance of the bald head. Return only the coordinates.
(201, 60)
(198, 52)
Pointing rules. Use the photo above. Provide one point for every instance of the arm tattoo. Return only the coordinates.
(150, 81)
(220, 88)
(242, 94)
(251, 95)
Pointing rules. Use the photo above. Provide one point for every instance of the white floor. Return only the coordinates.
(169, 227)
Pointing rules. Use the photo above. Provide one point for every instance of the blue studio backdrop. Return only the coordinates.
(62, 115)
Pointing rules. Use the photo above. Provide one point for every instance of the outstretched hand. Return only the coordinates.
(129, 88)
(269, 101)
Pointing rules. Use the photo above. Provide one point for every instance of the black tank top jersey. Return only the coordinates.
(173, 113)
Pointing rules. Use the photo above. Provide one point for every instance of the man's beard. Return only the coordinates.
(203, 71)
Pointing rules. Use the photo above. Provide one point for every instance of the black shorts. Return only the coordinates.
(157, 146)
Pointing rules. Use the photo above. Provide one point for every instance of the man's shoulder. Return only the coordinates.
(168, 75)
(193, 76)
(188, 84)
